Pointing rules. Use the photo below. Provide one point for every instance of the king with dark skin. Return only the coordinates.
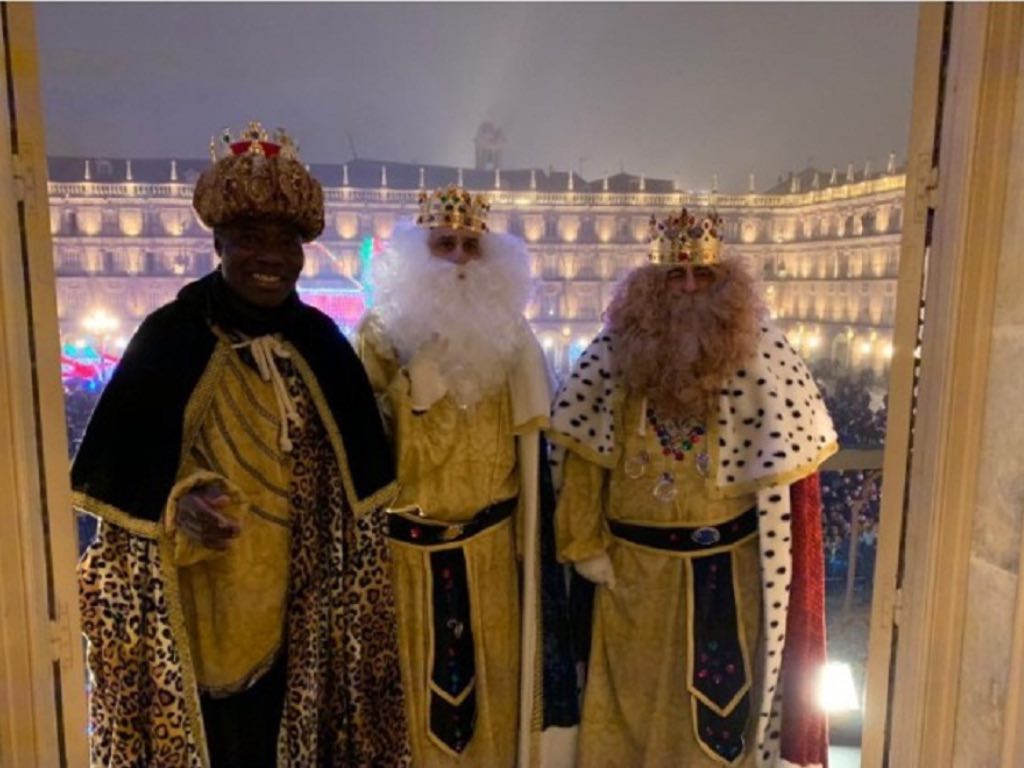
(261, 261)
(238, 451)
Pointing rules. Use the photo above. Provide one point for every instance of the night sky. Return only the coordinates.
(671, 90)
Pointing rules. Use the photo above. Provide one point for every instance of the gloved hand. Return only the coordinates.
(426, 382)
(597, 569)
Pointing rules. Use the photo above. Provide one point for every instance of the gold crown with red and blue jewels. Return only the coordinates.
(254, 177)
(686, 238)
(453, 207)
(254, 140)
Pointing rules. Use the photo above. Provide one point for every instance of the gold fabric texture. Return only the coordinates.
(494, 597)
(637, 710)
(452, 463)
(343, 703)
(234, 600)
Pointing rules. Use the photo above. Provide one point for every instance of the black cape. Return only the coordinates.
(131, 451)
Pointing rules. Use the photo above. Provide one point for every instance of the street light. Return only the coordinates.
(101, 324)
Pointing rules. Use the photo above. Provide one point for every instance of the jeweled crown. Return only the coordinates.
(453, 207)
(254, 140)
(254, 177)
(686, 238)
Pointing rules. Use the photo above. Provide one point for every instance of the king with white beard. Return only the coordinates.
(463, 384)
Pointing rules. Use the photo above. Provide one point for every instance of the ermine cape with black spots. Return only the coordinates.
(768, 434)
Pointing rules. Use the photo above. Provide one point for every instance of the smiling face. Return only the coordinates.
(260, 260)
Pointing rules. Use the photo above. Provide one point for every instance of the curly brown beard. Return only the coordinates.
(678, 348)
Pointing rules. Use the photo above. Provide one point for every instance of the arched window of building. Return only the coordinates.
(867, 224)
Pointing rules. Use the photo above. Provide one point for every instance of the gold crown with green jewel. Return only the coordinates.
(453, 207)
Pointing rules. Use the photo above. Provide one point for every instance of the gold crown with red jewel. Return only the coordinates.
(453, 207)
(686, 238)
(254, 140)
(256, 177)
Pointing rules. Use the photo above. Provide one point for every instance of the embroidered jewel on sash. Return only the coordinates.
(453, 676)
(706, 536)
(719, 683)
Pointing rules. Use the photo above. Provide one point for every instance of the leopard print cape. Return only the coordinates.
(343, 702)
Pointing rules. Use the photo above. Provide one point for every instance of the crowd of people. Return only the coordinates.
(844, 494)
(857, 403)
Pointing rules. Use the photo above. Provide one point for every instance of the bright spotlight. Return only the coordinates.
(835, 688)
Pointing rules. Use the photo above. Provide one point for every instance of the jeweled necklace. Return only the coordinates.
(677, 441)
(671, 435)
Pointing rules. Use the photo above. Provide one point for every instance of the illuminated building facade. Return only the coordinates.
(826, 247)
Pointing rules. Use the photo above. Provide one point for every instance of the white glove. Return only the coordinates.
(426, 383)
(597, 569)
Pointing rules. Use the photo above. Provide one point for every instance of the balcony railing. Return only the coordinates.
(513, 199)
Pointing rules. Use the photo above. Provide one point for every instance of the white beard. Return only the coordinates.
(421, 299)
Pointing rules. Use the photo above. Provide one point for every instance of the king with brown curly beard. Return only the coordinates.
(689, 436)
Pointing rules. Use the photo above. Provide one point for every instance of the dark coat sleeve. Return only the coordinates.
(131, 449)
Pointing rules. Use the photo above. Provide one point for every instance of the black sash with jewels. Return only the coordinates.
(718, 668)
(453, 672)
